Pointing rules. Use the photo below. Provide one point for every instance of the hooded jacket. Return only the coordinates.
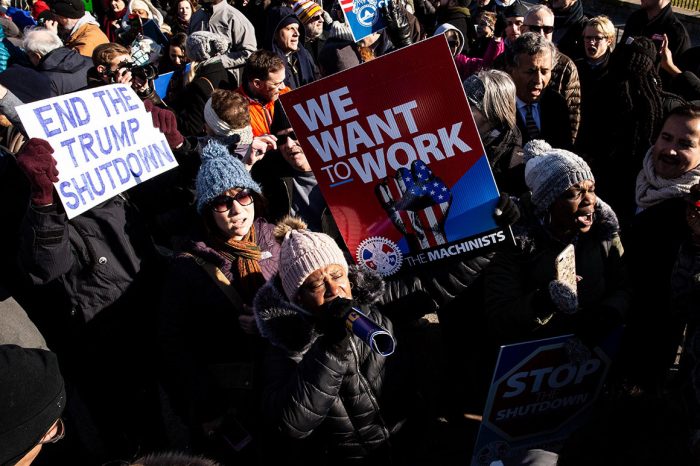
(66, 69)
(86, 35)
(299, 66)
(331, 398)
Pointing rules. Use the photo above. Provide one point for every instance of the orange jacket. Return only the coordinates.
(257, 112)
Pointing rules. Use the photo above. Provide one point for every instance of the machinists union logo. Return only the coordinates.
(379, 254)
(366, 11)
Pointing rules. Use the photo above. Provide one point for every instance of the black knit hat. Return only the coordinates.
(68, 8)
(33, 398)
(515, 10)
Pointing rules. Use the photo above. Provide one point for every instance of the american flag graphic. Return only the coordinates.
(347, 5)
(420, 203)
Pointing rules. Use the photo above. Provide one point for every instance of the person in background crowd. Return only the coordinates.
(311, 16)
(33, 400)
(80, 29)
(456, 13)
(513, 16)
(204, 77)
(207, 333)
(684, 82)
(108, 60)
(286, 37)
(219, 17)
(181, 15)
(56, 70)
(542, 111)
(569, 22)
(112, 22)
(263, 82)
(598, 41)
(145, 10)
(564, 76)
(491, 96)
(485, 28)
(670, 168)
(467, 66)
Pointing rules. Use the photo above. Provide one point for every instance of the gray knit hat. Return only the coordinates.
(302, 253)
(203, 45)
(549, 172)
(219, 172)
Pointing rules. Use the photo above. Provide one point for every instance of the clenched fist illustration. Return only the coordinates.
(417, 203)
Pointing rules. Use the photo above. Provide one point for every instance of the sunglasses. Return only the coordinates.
(58, 435)
(225, 203)
(282, 138)
(546, 29)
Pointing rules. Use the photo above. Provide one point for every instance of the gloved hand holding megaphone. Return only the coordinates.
(341, 311)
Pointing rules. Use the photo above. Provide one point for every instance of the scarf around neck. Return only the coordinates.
(652, 189)
(571, 15)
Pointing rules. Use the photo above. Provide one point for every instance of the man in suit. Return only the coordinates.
(542, 112)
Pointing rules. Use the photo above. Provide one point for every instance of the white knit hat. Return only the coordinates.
(303, 252)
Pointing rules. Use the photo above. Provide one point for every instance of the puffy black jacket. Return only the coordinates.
(312, 392)
(66, 70)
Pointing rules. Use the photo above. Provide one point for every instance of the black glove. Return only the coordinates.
(397, 27)
(331, 322)
(507, 211)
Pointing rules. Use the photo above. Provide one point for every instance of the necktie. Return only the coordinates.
(530, 124)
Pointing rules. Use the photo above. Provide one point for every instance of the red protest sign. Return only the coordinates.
(398, 158)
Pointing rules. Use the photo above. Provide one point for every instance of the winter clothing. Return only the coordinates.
(299, 65)
(229, 22)
(220, 172)
(568, 30)
(34, 398)
(302, 253)
(460, 18)
(549, 172)
(565, 81)
(652, 189)
(591, 77)
(15, 327)
(85, 36)
(203, 45)
(666, 22)
(66, 69)
(307, 9)
(68, 8)
(329, 395)
(467, 66)
(554, 121)
(261, 113)
(518, 305)
(37, 162)
(143, 5)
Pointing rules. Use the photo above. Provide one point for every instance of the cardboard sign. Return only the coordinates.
(538, 396)
(363, 17)
(398, 159)
(104, 143)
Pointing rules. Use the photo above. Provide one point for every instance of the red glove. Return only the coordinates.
(38, 164)
(166, 122)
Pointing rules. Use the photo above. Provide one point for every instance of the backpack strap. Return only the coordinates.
(220, 279)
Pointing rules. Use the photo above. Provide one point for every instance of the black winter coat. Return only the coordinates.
(312, 392)
(555, 127)
(299, 66)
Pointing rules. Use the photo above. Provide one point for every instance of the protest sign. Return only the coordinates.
(104, 143)
(398, 159)
(363, 17)
(539, 395)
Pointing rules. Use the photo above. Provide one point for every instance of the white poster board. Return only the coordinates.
(104, 143)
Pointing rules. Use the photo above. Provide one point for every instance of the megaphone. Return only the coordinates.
(372, 334)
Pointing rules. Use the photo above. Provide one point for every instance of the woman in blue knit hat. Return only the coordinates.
(208, 334)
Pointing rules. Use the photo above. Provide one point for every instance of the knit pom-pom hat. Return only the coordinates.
(306, 9)
(302, 253)
(203, 45)
(219, 172)
(549, 172)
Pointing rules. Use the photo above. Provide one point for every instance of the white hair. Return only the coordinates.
(41, 41)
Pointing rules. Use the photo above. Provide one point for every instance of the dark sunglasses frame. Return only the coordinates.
(546, 29)
(282, 138)
(225, 203)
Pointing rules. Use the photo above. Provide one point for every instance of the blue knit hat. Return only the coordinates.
(219, 172)
(549, 172)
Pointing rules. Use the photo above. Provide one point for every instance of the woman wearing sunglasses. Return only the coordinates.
(208, 334)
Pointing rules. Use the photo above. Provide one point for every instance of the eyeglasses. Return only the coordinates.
(315, 18)
(225, 203)
(546, 29)
(593, 39)
(282, 138)
(58, 435)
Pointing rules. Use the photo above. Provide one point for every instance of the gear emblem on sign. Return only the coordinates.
(380, 254)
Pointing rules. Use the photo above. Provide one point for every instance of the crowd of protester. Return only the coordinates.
(198, 318)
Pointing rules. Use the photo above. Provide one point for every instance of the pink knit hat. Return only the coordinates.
(302, 253)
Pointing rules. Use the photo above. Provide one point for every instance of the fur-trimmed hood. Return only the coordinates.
(287, 325)
(529, 232)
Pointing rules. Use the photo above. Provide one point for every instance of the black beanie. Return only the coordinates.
(68, 8)
(32, 399)
(515, 10)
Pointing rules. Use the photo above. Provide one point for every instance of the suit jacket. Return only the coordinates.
(554, 121)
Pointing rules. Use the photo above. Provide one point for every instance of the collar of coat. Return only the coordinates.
(286, 325)
(530, 234)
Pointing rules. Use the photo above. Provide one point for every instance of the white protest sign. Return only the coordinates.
(104, 143)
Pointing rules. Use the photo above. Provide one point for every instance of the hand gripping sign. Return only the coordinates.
(398, 160)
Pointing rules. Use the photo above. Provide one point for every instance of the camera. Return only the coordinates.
(143, 72)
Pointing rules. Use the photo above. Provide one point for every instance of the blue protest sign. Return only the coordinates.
(363, 17)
